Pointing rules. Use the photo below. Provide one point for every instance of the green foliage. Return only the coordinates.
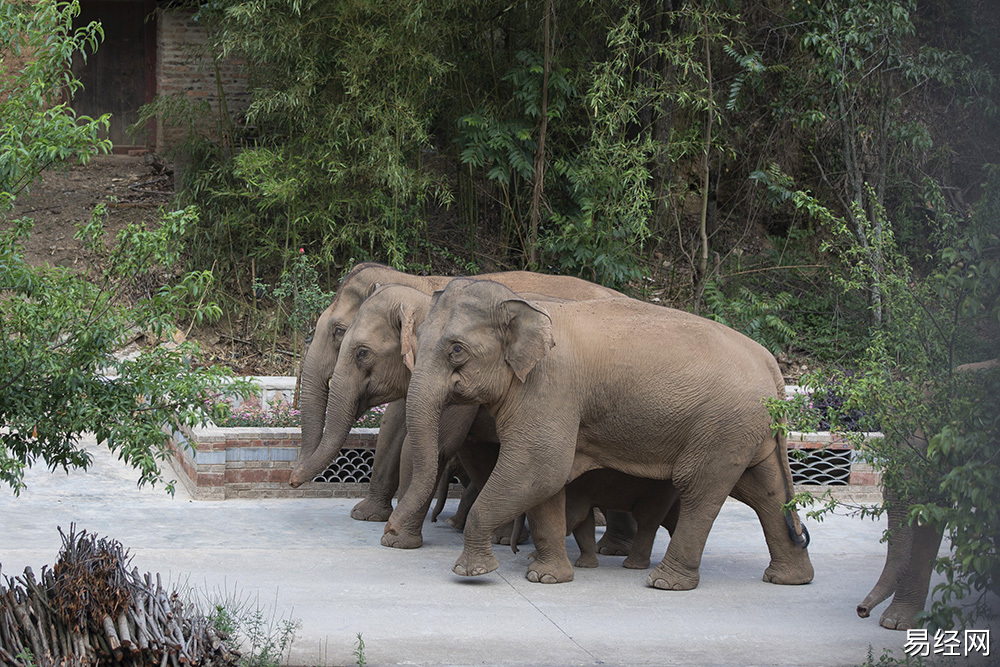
(299, 287)
(59, 347)
(941, 427)
(329, 160)
(887, 659)
(754, 315)
(38, 128)
(359, 652)
(61, 334)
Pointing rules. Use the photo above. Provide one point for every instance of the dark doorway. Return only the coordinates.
(121, 76)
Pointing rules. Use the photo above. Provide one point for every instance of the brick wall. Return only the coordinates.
(185, 67)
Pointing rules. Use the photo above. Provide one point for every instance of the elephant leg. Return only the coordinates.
(915, 580)
(583, 526)
(619, 534)
(702, 487)
(548, 524)
(761, 487)
(678, 571)
(650, 512)
(528, 476)
(642, 547)
(478, 459)
(377, 503)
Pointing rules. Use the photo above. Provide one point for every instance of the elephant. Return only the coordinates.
(608, 383)
(652, 502)
(376, 353)
(911, 551)
(321, 358)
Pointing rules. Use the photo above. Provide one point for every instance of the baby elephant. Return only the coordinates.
(652, 503)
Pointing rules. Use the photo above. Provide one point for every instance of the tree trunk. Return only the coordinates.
(536, 197)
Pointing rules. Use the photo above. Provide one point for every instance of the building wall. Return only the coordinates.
(185, 68)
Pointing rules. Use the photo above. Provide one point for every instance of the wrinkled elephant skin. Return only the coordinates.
(320, 362)
(609, 383)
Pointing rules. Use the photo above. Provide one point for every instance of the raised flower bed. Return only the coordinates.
(256, 461)
(249, 461)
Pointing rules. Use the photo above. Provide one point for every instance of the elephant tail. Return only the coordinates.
(798, 533)
(517, 531)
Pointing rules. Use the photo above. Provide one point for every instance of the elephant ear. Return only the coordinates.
(528, 335)
(407, 335)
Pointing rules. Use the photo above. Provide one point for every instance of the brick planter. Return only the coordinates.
(251, 462)
(219, 463)
(830, 463)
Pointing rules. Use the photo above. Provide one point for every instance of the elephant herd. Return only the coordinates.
(556, 395)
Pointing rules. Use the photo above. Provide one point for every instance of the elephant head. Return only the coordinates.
(321, 357)
(375, 351)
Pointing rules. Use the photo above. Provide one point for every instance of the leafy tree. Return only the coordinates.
(335, 136)
(941, 448)
(60, 333)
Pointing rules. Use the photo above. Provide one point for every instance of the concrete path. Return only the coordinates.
(306, 559)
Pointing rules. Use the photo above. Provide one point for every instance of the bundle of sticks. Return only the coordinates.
(90, 608)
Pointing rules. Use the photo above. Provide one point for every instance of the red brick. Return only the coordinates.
(210, 479)
(282, 476)
(865, 478)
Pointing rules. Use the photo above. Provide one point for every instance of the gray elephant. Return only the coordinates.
(376, 350)
(320, 360)
(911, 551)
(651, 502)
(612, 383)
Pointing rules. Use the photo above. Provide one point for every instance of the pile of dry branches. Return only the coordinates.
(90, 608)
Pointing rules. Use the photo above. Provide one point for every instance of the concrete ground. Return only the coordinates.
(307, 560)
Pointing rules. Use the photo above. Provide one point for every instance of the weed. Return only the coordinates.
(359, 652)
(264, 638)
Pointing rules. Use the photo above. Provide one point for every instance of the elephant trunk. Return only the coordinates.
(314, 398)
(340, 415)
(897, 556)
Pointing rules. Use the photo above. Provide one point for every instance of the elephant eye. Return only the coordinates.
(361, 355)
(456, 353)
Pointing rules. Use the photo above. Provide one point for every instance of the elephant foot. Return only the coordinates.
(586, 560)
(669, 579)
(610, 545)
(636, 563)
(789, 576)
(400, 539)
(467, 566)
(898, 616)
(371, 510)
(549, 573)
(456, 522)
